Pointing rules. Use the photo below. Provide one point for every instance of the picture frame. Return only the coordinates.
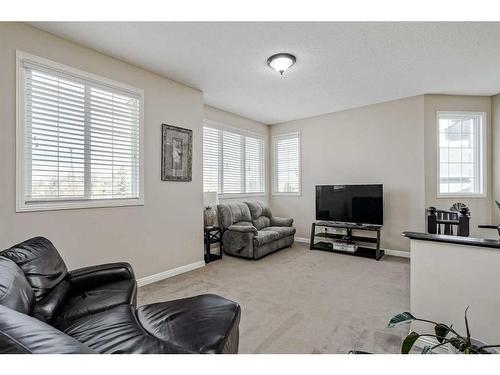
(176, 153)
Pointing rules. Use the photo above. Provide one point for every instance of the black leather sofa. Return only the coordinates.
(46, 309)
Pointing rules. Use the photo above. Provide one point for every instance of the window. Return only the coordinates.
(286, 163)
(460, 154)
(78, 138)
(233, 162)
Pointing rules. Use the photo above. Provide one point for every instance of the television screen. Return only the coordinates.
(360, 204)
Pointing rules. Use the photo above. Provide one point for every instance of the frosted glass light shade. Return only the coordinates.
(210, 199)
(281, 62)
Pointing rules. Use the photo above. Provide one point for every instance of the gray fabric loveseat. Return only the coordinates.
(251, 231)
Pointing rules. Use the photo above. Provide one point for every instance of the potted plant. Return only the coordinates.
(443, 334)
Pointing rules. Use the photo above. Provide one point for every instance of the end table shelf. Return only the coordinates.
(323, 240)
(212, 235)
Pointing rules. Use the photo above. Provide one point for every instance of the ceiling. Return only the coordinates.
(339, 65)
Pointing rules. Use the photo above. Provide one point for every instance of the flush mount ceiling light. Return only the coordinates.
(281, 62)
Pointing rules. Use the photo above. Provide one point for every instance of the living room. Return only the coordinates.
(249, 187)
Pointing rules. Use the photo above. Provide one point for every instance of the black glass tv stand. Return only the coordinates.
(368, 247)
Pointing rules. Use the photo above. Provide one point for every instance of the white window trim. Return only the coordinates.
(483, 152)
(273, 164)
(221, 126)
(21, 205)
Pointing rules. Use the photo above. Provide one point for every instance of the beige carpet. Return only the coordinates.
(302, 301)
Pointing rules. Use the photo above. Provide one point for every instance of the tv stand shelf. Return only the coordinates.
(323, 240)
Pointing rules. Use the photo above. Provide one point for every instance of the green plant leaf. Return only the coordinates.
(459, 343)
(441, 331)
(408, 342)
(498, 204)
(427, 350)
(404, 317)
(467, 326)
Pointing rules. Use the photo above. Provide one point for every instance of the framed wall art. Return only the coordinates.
(176, 153)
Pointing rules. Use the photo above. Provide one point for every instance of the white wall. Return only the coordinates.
(481, 208)
(164, 233)
(495, 143)
(232, 120)
(446, 278)
(381, 143)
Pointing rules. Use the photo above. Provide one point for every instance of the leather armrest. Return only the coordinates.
(243, 228)
(89, 277)
(281, 222)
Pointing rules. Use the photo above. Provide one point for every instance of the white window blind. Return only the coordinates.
(233, 163)
(460, 153)
(211, 160)
(286, 163)
(254, 165)
(80, 139)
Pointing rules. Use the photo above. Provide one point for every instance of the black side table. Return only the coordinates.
(212, 235)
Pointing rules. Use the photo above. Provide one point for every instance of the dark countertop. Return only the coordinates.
(495, 244)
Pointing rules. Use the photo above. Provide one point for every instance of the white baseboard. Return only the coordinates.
(395, 253)
(169, 273)
(302, 239)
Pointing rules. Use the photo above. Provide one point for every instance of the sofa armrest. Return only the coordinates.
(89, 277)
(243, 229)
(281, 221)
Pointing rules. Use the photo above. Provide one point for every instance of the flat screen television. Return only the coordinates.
(360, 204)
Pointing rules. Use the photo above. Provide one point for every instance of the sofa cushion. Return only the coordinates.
(266, 211)
(255, 209)
(179, 322)
(282, 231)
(261, 222)
(116, 331)
(258, 209)
(201, 324)
(260, 214)
(265, 236)
(40, 262)
(49, 306)
(244, 223)
(99, 299)
(233, 213)
(15, 291)
(23, 334)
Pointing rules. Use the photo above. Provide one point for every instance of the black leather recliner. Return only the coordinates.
(46, 309)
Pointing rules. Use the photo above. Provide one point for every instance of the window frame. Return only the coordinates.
(274, 139)
(482, 152)
(245, 133)
(22, 162)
